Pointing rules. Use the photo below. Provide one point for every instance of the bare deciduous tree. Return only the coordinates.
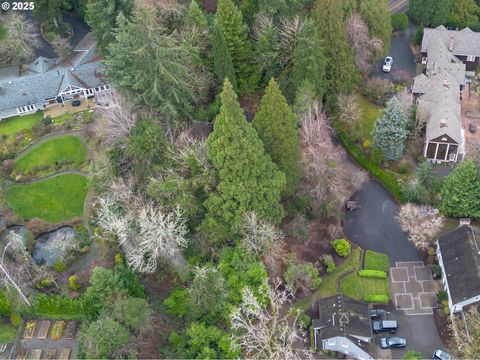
(422, 223)
(466, 330)
(365, 49)
(289, 29)
(61, 46)
(62, 243)
(268, 332)
(406, 101)
(22, 37)
(350, 112)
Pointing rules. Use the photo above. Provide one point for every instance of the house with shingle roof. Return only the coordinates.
(458, 253)
(344, 326)
(450, 56)
(46, 82)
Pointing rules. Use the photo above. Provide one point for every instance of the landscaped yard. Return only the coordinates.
(358, 287)
(15, 124)
(3, 32)
(58, 151)
(54, 200)
(370, 113)
(376, 261)
(7, 332)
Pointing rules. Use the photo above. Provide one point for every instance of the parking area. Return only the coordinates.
(413, 289)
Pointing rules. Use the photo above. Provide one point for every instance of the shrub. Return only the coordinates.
(437, 271)
(379, 299)
(377, 274)
(444, 303)
(399, 21)
(5, 304)
(431, 251)
(59, 307)
(327, 260)
(301, 274)
(342, 247)
(57, 330)
(442, 295)
(59, 266)
(304, 320)
(15, 319)
(446, 311)
(118, 259)
(72, 283)
(419, 35)
(45, 282)
(367, 144)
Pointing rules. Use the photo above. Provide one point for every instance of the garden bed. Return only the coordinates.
(16, 124)
(54, 200)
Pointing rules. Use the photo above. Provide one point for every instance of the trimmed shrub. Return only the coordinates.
(378, 274)
(378, 299)
(15, 319)
(342, 247)
(59, 266)
(72, 283)
(304, 320)
(399, 21)
(441, 296)
(327, 260)
(446, 311)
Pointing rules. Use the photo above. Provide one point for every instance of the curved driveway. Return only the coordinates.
(374, 227)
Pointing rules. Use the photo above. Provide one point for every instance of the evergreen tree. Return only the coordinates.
(266, 47)
(276, 125)
(341, 74)
(376, 15)
(222, 61)
(50, 11)
(230, 21)
(195, 16)
(310, 59)
(101, 16)
(430, 12)
(152, 69)
(464, 13)
(390, 131)
(461, 191)
(249, 180)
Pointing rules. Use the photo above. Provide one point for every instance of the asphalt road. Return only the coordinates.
(374, 227)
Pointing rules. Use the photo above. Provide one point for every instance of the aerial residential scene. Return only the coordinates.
(240, 179)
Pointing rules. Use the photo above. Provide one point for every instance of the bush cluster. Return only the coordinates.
(342, 247)
(378, 299)
(377, 274)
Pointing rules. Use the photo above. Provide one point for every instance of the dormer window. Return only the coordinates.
(471, 58)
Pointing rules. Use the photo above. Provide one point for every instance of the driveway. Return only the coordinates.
(374, 227)
(403, 57)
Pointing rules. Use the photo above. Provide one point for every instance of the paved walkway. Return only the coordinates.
(412, 287)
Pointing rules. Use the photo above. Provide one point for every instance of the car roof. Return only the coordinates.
(389, 323)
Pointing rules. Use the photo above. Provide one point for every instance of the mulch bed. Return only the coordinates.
(442, 326)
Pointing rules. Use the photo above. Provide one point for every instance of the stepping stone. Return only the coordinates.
(399, 274)
(423, 273)
(428, 300)
(64, 354)
(429, 286)
(403, 301)
(397, 287)
(43, 331)
(413, 287)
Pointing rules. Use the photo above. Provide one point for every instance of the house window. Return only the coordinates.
(424, 60)
(471, 58)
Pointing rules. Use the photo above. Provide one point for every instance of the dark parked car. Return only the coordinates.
(393, 342)
(76, 103)
(441, 355)
(377, 313)
(390, 326)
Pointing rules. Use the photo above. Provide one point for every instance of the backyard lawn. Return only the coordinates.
(15, 124)
(57, 151)
(7, 332)
(376, 261)
(370, 113)
(54, 200)
(358, 287)
(3, 31)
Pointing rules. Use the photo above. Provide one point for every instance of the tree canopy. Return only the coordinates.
(430, 12)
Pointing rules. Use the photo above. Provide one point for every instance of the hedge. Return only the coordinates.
(378, 274)
(388, 180)
(378, 299)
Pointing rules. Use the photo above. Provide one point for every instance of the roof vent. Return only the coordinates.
(451, 43)
(446, 83)
(443, 123)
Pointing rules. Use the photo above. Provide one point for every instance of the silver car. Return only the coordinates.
(393, 342)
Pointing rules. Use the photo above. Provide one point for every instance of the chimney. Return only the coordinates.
(451, 43)
(446, 83)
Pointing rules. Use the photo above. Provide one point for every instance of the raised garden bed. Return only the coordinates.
(30, 327)
(57, 330)
(70, 330)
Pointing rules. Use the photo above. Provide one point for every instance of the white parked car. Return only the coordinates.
(387, 64)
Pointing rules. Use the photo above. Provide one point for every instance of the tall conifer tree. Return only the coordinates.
(222, 61)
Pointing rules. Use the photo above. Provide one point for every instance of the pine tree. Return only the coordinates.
(376, 15)
(341, 74)
(249, 180)
(390, 131)
(464, 13)
(310, 59)
(195, 16)
(461, 191)
(276, 125)
(222, 61)
(50, 11)
(230, 21)
(101, 16)
(430, 12)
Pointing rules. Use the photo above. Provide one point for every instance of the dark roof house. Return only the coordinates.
(458, 253)
(344, 326)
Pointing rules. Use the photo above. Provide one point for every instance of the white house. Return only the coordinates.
(458, 253)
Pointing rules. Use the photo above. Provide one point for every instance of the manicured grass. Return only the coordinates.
(15, 124)
(370, 113)
(327, 287)
(54, 200)
(7, 332)
(3, 32)
(61, 150)
(357, 287)
(376, 261)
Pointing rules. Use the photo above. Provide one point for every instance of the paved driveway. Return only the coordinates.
(374, 227)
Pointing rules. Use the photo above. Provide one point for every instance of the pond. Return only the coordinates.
(25, 234)
(45, 253)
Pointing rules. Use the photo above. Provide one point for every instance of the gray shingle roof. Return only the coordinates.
(465, 42)
(461, 261)
(42, 64)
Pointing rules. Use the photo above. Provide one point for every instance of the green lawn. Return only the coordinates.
(15, 124)
(7, 332)
(370, 113)
(54, 200)
(357, 287)
(3, 32)
(61, 150)
(376, 261)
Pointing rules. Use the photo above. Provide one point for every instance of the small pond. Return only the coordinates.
(44, 253)
(20, 230)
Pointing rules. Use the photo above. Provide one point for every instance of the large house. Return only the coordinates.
(450, 56)
(343, 326)
(458, 253)
(45, 82)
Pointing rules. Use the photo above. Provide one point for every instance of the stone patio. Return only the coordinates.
(413, 289)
